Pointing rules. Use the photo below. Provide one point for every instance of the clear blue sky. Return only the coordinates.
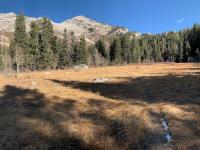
(153, 16)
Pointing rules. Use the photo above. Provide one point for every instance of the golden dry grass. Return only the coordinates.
(65, 110)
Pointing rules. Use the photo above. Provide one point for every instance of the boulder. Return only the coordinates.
(33, 83)
(101, 80)
(81, 67)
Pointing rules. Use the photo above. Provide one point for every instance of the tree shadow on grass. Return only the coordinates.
(26, 118)
(153, 89)
(179, 90)
(30, 120)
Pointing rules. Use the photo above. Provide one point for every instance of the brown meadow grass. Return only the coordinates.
(65, 109)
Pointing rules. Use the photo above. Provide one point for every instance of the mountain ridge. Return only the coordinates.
(80, 25)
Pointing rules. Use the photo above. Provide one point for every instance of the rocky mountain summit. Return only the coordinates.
(79, 25)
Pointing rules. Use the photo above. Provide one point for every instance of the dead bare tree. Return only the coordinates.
(19, 58)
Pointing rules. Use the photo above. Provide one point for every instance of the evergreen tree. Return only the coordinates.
(135, 50)
(33, 49)
(64, 59)
(75, 50)
(194, 40)
(20, 40)
(186, 51)
(115, 51)
(82, 51)
(93, 55)
(1, 57)
(55, 54)
(20, 35)
(46, 44)
(101, 47)
(103, 54)
(66, 49)
(156, 51)
(144, 51)
(125, 45)
(163, 47)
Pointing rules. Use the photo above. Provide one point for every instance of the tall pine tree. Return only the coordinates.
(82, 51)
(20, 43)
(33, 49)
(115, 51)
(46, 44)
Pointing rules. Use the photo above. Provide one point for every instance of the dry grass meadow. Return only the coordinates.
(60, 110)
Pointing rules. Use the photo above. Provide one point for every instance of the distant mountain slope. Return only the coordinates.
(79, 25)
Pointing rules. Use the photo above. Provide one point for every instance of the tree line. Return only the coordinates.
(172, 47)
(40, 49)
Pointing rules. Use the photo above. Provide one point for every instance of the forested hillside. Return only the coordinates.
(41, 49)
